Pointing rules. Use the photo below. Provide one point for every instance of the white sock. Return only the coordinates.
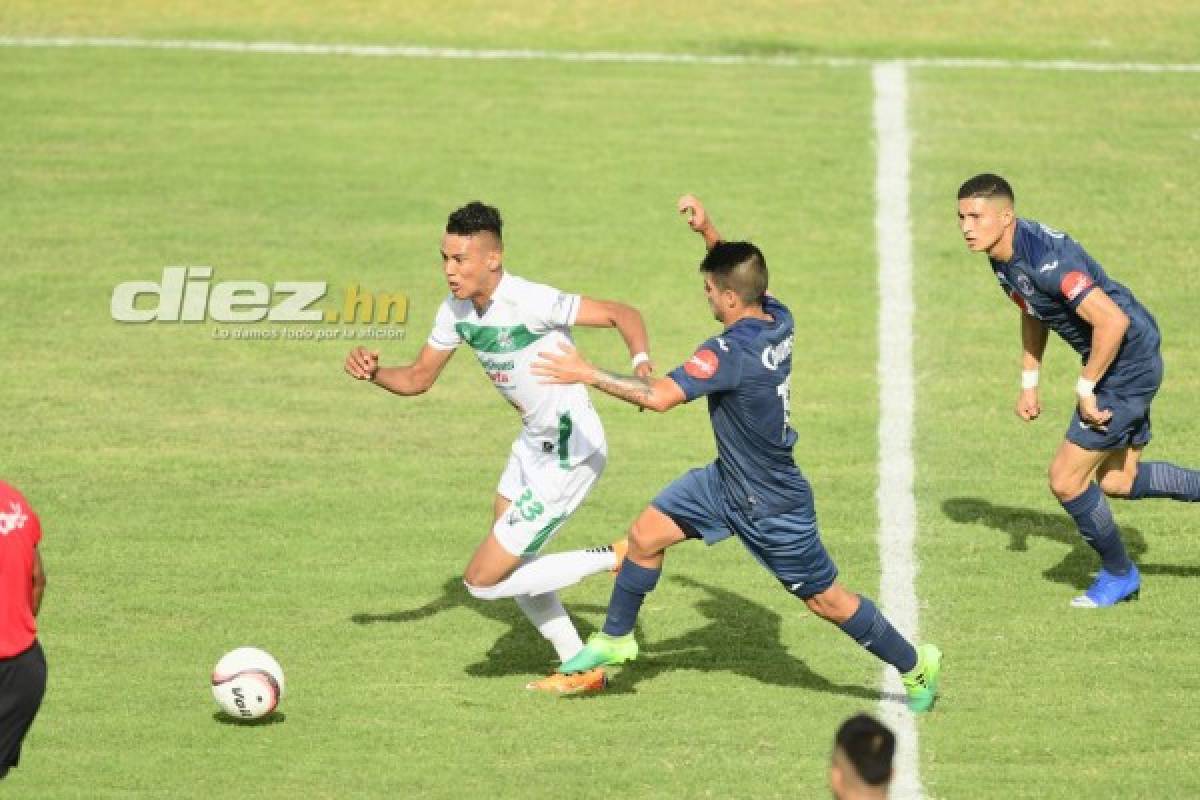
(549, 573)
(547, 614)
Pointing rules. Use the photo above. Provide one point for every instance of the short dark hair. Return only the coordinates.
(986, 185)
(739, 266)
(869, 746)
(475, 218)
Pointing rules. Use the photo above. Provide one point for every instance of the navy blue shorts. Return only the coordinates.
(787, 544)
(1128, 392)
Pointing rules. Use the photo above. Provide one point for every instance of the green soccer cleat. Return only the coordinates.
(602, 650)
(921, 684)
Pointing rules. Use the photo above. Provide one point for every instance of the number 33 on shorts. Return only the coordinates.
(529, 508)
(524, 529)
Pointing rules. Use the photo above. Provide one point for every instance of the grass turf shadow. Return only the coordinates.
(1080, 562)
(274, 718)
(519, 651)
(742, 637)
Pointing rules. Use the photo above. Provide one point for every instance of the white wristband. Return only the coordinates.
(639, 359)
(1029, 379)
(1084, 387)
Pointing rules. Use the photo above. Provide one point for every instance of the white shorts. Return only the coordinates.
(543, 495)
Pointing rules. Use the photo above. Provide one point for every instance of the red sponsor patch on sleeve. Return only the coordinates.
(1074, 284)
(703, 365)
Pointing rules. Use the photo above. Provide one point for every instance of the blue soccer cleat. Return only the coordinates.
(1108, 589)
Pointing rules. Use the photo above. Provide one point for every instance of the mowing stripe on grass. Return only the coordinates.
(600, 56)
(896, 502)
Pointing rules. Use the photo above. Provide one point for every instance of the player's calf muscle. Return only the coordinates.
(1115, 482)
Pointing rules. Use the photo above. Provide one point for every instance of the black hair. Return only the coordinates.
(474, 218)
(986, 185)
(739, 266)
(869, 746)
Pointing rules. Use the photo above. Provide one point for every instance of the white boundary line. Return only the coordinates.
(599, 56)
(896, 502)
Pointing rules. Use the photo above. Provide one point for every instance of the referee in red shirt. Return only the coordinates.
(22, 664)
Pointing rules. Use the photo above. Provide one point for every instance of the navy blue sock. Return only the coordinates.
(1160, 479)
(1095, 520)
(634, 582)
(871, 629)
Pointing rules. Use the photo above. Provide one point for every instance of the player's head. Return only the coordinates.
(861, 766)
(735, 278)
(985, 211)
(473, 250)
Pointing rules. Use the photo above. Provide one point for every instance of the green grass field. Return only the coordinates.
(200, 494)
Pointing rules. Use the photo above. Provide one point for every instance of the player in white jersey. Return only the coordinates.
(560, 452)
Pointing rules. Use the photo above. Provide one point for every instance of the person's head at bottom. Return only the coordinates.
(861, 766)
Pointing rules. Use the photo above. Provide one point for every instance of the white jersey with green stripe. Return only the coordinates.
(523, 319)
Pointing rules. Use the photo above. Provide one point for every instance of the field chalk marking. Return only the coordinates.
(600, 56)
(896, 502)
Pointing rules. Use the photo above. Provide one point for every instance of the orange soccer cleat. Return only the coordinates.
(594, 680)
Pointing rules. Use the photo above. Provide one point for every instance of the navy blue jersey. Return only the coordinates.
(744, 372)
(1048, 277)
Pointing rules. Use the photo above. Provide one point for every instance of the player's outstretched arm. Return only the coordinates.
(698, 220)
(415, 378)
(628, 322)
(1033, 343)
(568, 366)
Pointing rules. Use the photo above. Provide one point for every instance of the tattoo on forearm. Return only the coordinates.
(629, 388)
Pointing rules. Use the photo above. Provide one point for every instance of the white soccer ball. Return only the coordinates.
(247, 683)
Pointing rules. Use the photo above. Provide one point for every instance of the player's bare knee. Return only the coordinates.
(481, 590)
(822, 605)
(477, 579)
(1064, 486)
(641, 542)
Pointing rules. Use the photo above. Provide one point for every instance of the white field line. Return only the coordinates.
(896, 502)
(599, 56)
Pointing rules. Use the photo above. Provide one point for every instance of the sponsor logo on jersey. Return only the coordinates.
(1024, 284)
(703, 365)
(11, 520)
(1075, 284)
(722, 344)
(492, 365)
(1048, 266)
(772, 357)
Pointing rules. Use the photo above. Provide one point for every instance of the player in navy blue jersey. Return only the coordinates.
(754, 489)
(1058, 286)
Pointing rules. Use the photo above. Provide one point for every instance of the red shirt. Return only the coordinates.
(20, 533)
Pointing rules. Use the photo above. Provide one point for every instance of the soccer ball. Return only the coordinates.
(247, 683)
